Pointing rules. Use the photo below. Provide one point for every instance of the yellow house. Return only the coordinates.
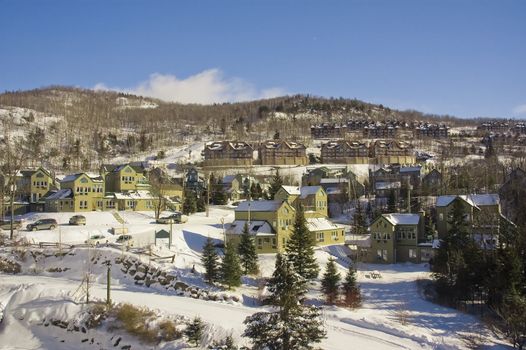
(135, 200)
(288, 193)
(325, 232)
(79, 192)
(34, 184)
(272, 222)
(125, 177)
(313, 199)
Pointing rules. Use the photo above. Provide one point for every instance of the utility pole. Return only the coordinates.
(108, 283)
(170, 237)
(207, 193)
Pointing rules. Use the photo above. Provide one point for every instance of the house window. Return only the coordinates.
(441, 216)
(381, 254)
(320, 236)
(412, 253)
(334, 235)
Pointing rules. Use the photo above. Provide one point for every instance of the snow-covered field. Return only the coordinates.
(36, 293)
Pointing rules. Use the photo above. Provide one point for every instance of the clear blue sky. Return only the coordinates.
(459, 57)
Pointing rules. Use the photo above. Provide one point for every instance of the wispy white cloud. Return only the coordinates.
(520, 109)
(206, 87)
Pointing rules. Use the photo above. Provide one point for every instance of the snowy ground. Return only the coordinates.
(37, 293)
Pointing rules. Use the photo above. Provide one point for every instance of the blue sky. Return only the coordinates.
(460, 57)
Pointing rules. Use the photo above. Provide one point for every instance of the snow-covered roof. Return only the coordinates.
(73, 177)
(257, 228)
(334, 180)
(228, 179)
(133, 195)
(309, 190)
(402, 219)
(410, 169)
(60, 194)
(321, 224)
(387, 185)
(259, 205)
(295, 190)
(475, 200)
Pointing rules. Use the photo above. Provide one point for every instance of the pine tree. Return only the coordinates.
(300, 248)
(293, 326)
(247, 252)
(209, 260)
(275, 185)
(391, 202)
(456, 251)
(194, 331)
(330, 281)
(253, 191)
(189, 204)
(351, 290)
(201, 202)
(359, 221)
(259, 191)
(230, 268)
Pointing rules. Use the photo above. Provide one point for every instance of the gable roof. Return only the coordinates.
(321, 224)
(402, 219)
(257, 228)
(292, 190)
(60, 194)
(73, 177)
(259, 205)
(309, 190)
(474, 200)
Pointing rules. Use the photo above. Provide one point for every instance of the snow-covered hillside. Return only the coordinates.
(48, 288)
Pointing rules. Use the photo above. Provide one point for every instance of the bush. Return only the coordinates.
(135, 321)
(168, 331)
(96, 314)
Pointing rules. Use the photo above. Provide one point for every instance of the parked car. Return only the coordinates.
(43, 224)
(6, 224)
(96, 239)
(177, 218)
(125, 239)
(77, 220)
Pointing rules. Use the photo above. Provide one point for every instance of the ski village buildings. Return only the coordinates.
(398, 235)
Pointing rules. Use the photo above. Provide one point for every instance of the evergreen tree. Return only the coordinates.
(259, 191)
(194, 331)
(218, 194)
(209, 260)
(351, 290)
(450, 267)
(253, 191)
(275, 185)
(300, 248)
(293, 326)
(391, 202)
(230, 268)
(359, 221)
(513, 314)
(330, 281)
(201, 202)
(247, 252)
(189, 204)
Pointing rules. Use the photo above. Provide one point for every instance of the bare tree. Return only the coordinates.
(14, 154)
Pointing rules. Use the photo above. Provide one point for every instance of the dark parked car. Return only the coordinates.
(125, 239)
(176, 217)
(6, 224)
(43, 224)
(77, 220)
